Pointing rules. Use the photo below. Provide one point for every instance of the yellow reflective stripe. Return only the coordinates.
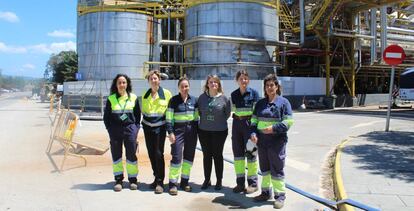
(132, 168)
(184, 117)
(266, 178)
(243, 113)
(196, 114)
(262, 124)
(169, 115)
(253, 120)
(117, 167)
(278, 185)
(252, 168)
(288, 121)
(174, 172)
(239, 166)
(186, 169)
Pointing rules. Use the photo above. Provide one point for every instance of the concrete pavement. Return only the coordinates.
(378, 167)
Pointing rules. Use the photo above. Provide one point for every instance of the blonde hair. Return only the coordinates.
(214, 77)
(152, 72)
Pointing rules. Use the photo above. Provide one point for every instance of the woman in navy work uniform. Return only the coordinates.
(182, 124)
(243, 99)
(272, 118)
(154, 105)
(214, 109)
(121, 117)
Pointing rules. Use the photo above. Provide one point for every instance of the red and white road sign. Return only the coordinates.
(393, 55)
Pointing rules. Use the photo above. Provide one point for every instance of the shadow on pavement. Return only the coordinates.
(96, 187)
(390, 154)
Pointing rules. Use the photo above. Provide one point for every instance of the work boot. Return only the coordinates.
(205, 184)
(239, 189)
(218, 185)
(251, 189)
(262, 197)
(173, 190)
(133, 185)
(185, 186)
(153, 185)
(159, 189)
(118, 186)
(279, 201)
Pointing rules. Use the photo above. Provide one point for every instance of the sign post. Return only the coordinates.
(393, 55)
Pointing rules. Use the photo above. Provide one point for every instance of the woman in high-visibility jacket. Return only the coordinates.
(243, 100)
(154, 105)
(122, 117)
(272, 118)
(182, 124)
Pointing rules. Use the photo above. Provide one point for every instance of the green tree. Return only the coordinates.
(63, 66)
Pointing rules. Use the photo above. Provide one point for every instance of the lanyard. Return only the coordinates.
(126, 102)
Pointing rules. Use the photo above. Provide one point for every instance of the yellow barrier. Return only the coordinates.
(64, 127)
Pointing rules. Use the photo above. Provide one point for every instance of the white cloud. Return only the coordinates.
(62, 33)
(11, 49)
(53, 47)
(9, 16)
(39, 48)
(29, 66)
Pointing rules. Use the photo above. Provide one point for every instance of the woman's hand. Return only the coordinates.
(253, 138)
(172, 138)
(268, 130)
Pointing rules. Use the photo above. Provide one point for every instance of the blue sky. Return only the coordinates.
(30, 31)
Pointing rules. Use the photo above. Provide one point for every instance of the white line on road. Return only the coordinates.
(297, 164)
(366, 124)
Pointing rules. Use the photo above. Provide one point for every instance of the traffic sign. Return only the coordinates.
(393, 55)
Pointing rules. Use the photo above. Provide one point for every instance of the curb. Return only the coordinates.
(338, 182)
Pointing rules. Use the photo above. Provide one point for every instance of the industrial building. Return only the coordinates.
(337, 41)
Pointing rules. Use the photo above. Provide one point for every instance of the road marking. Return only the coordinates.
(297, 164)
(366, 124)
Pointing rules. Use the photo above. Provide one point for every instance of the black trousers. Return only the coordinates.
(155, 140)
(212, 143)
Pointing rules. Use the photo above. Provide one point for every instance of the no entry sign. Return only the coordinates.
(393, 55)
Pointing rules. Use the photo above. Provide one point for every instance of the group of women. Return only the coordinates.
(264, 122)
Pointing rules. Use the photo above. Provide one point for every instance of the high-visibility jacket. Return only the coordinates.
(243, 104)
(122, 116)
(153, 109)
(277, 114)
(181, 112)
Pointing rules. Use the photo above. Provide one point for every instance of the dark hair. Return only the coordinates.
(272, 77)
(114, 88)
(240, 73)
(183, 78)
(152, 72)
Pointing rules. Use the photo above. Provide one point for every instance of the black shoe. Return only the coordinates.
(239, 189)
(118, 185)
(185, 186)
(218, 185)
(262, 197)
(153, 185)
(205, 184)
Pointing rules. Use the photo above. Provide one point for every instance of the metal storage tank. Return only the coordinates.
(109, 43)
(230, 19)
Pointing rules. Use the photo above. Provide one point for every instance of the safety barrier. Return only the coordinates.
(64, 127)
